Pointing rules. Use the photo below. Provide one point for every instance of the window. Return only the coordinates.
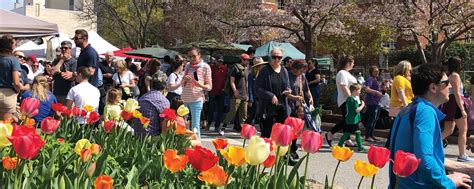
(468, 37)
(71, 4)
(281, 4)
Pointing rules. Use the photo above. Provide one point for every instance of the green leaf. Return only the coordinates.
(293, 171)
(326, 183)
(62, 183)
(132, 178)
(281, 181)
(101, 164)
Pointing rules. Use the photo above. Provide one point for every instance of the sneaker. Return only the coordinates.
(294, 155)
(221, 131)
(349, 143)
(362, 149)
(327, 139)
(464, 158)
(445, 143)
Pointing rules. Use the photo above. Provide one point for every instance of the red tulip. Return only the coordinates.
(61, 140)
(76, 111)
(297, 124)
(378, 156)
(93, 117)
(49, 125)
(83, 113)
(311, 141)
(30, 107)
(26, 142)
(282, 134)
(126, 115)
(58, 107)
(270, 161)
(109, 125)
(405, 163)
(248, 131)
(168, 114)
(201, 158)
(269, 141)
(67, 112)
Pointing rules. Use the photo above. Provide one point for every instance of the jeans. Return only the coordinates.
(216, 105)
(195, 108)
(239, 107)
(373, 112)
(315, 92)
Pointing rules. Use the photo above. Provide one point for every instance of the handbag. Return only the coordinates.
(310, 123)
(125, 94)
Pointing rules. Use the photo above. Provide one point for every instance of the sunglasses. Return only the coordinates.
(445, 82)
(65, 48)
(277, 57)
(21, 57)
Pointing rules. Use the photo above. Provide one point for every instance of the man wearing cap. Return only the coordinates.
(239, 94)
(63, 66)
(32, 61)
(216, 96)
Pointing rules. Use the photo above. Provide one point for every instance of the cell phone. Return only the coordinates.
(196, 76)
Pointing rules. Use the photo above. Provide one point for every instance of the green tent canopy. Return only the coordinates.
(241, 46)
(288, 50)
(156, 52)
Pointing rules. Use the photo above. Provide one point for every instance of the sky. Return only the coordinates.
(8, 4)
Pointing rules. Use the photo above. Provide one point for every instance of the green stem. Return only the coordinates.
(243, 145)
(288, 156)
(228, 177)
(275, 176)
(305, 169)
(373, 181)
(334, 175)
(256, 174)
(360, 182)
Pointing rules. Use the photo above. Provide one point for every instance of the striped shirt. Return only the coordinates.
(191, 92)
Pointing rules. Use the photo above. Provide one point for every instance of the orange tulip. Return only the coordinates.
(137, 114)
(234, 155)
(30, 122)
(103, 182)
(180, 129)
(9, 163)
(215, 176)
(219, 143)
(144, 121)
(174, 162)
(270, 161)
(85, 155)
(95, 148)
(342, 153)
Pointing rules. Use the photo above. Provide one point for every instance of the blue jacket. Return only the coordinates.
(424, 140)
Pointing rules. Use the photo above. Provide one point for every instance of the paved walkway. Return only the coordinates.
(322, 163)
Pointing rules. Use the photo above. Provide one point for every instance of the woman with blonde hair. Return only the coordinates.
(401, 93)
(40, 91)
(123, 79)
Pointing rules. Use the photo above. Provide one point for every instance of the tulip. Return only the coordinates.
(95, 148)
(90, 170)
(270, 142)
(58, 107)
(5, 131)
(257, 151)
(283, 150)
(297, 124)
(93, 117)
(108, 126)
(282, 134)
(113, 113)
(174, 162)
(131, 105)
(29, 107)
(30, 122)
(144, 121)
(67, 112)
(180, 129)
(342, 153)
(378, 156)
(365, 169)
(76, 112)
(405, 163)
(137, 114)
(219, 143)
(215, 176)
(49, 125)
(183, 111)
(61, 140)
(311, 141)
(9, 163)
(85, 155)
(103, 182)
(168, 114)
(26, 142)
(248, 131)
(201, 158)
(126, 115)
(270, 161)
(234, 155)
(88, 108)
(83, 113)
(81, 144)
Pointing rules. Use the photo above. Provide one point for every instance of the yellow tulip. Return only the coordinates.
(365, 169)
(234, 155)
(131, 105)
(82, 144)
(88, 108)
(257, 151)
(137, 114)
(182, 111)
(283, 150)
(5, 131)
(342, 153)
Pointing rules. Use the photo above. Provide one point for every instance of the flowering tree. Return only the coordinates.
(438, 22)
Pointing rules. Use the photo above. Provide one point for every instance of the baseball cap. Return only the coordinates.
(244, 56)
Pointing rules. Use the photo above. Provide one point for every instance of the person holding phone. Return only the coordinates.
(273, 87)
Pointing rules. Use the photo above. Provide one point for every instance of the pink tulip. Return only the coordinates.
(311, 141)
(49, 125)
(297, 124)
(248, 131)
(30, 107)
(405, 163)
(282, 134)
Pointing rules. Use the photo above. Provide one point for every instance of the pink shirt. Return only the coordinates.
(191, 92)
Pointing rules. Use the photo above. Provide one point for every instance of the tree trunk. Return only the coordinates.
(420, 48)
(308, 41)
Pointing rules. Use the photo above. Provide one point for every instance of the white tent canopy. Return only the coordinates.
(100, 44)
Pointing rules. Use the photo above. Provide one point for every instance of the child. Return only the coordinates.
(353, 116)
(112, 108)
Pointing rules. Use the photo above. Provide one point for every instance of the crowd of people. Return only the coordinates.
(252, 91)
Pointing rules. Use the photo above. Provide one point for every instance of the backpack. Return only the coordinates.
(227, 89)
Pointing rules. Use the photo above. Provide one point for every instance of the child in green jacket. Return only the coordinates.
(353, 117)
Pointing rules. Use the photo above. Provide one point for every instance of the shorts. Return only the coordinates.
(451, 109)
(8, 98)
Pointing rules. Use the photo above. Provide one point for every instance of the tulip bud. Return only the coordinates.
(90, 170)
(248, 131)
